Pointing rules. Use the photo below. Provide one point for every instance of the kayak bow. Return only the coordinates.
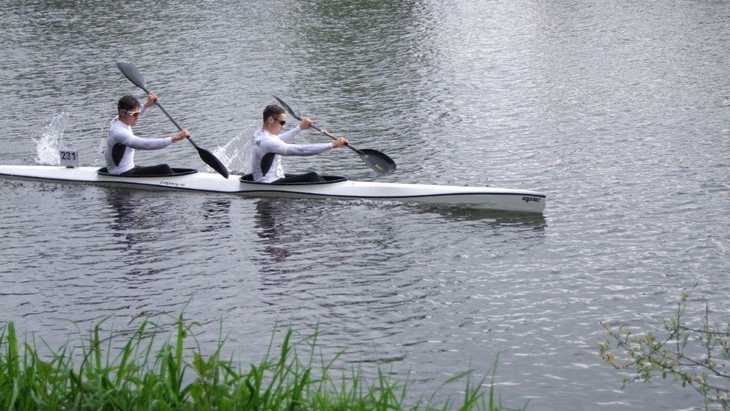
(487, 198)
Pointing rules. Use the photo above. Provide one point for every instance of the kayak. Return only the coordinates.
(485, 198)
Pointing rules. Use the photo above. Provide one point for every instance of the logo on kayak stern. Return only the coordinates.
(171, 184)
(529, 199)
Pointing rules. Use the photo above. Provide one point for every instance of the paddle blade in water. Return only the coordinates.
(211, 160)
(378, 161)
(132, 74)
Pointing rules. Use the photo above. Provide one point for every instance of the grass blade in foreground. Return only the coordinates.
(145, 374)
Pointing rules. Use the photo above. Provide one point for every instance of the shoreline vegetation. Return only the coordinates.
(143, 373)
(694, 353)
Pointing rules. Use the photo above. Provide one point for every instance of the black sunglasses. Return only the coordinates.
(281, 122)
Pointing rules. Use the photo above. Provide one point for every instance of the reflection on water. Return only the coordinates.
(215, 212)
(268, 230)
(494, 218)
(136, 221)
(277, 219)
(127, 218)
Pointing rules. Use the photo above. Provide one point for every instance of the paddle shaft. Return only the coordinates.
(325, 132)
(175, 123)
(169, 117)
(328, 134)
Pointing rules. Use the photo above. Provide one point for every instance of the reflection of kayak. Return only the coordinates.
(489, 198)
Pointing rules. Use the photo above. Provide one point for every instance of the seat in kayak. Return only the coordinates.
(248, 178)
(175, 172)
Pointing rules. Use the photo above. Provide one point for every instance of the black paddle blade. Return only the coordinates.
(378, 161)
(287, 108)
(211, 160)
(132, 74)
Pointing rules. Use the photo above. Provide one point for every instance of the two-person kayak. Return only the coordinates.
(486, 198)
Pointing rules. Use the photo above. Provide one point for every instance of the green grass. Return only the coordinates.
(144, 374)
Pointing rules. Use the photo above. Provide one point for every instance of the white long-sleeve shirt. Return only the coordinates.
(122, 137)
(267, 145)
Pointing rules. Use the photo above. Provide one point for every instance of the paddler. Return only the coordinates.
(269, 146)
(122, 142)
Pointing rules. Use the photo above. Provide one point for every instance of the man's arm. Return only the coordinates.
(279, 147)
(128, 138)
(288, 136)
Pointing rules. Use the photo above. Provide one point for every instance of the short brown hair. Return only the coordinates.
(128, 103)
(272, 110)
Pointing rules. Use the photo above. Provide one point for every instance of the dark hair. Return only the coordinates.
(128, 103)
(272, 110)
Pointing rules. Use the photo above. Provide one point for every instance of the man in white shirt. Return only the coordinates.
(269, 146)
(122, 142)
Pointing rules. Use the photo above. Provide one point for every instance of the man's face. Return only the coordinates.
(278, 121)
(131, 116)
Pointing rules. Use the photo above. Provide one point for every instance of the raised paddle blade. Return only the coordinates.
(132, 74)
(287, 108)
(211, 160)
(381, 163)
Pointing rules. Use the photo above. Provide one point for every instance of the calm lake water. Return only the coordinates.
(618, 111)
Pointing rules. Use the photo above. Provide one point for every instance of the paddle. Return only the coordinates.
(376, 160)
(133, 75)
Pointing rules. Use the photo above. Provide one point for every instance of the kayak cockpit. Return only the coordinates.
(248, 178)
(175, 172)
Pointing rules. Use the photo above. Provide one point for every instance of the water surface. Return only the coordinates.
(617, 111)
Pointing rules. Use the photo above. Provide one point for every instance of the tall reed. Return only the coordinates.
(145, 375)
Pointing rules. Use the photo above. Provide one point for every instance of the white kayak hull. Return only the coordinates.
(487, 198)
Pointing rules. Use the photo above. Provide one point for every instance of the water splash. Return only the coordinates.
(235, 154)
(50, 141)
